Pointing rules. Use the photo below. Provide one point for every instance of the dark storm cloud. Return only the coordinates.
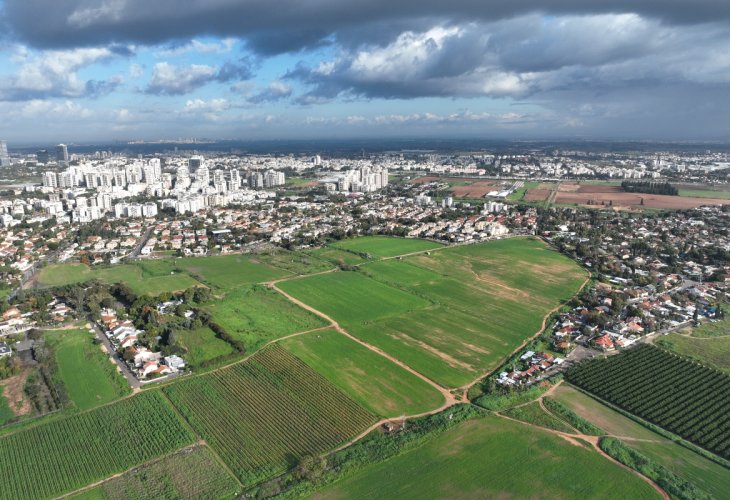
(71, 23)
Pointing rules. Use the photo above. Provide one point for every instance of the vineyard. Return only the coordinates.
(66, 454)
(263, 415)
(684, 397)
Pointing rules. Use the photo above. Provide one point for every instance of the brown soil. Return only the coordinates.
(14, 394)
(603, 195)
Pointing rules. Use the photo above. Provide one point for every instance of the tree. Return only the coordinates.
(310, 468)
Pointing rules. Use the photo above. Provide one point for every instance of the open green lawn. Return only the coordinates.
(226, 272)
(452, 315)
(202, 345)
(256, 314)
(385, 246)
(351, 297)
(711, 351)
(294, 262)
(533, 413)
(370, 379)
(493, 458)
(704, 473)
(144, 278)
(89, 376)
(192, 473)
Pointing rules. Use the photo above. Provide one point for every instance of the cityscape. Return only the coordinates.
(364, 250)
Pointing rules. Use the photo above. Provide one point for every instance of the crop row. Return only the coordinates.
(66, 454)
(680, 395)
(263, 415)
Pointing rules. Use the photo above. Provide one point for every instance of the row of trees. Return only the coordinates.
(649, 187)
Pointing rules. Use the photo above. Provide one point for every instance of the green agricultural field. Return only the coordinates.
(202, 345)
(711, 351)
(226, 272)
(533, 413)
(703, 473)
(491, 457)
(385, 246)
(452, 315)
(256, 315)
(378, 384)
(298, 263)
(696, 193)
(677, 394)
(336, 256)
(87, 373)
(192, 473)
(351, 297)
(66, 454)
(263, 415)
(520, 193)
(137, 276)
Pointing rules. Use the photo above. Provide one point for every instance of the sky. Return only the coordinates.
(108, 70)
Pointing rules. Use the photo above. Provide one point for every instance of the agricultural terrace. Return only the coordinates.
(693, 467)
(256, 315)
(88, 375)
(192, 473)
(144, 277)
(385, 246)
(682, 396)
(490, 457)
(376, 383)
(66, 454)
(263, 415)
(454, 314)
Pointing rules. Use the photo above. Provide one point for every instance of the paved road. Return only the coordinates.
(140, 244)
(133, 382)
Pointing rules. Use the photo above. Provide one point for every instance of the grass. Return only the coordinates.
(352, 297)
(137, 276)
(716, 329)
(227, 272)
(294, 262)
(385, 246)
(692, 467)
(534, 414)
(337, 256)
(493, 458)
(696, 193)
(263, 415)
(192, 473)
(452, 315)
(66, 454)
(6, 413)
(711, 351)
(256, 314)
(89, 376)
(202, 345)
(379, 385)
(520, 193)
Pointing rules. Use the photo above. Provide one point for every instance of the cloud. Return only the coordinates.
(54, 74)
(294, 25)
(275, 91)
(213, 105)
(523, 57)
(169, 79)
(222, 47)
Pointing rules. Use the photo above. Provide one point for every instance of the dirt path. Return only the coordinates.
(593, 441)
(449, 398)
